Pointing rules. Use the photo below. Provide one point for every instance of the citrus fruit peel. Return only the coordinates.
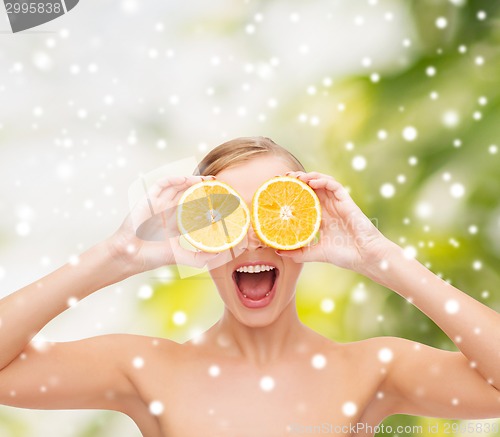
(286, 213)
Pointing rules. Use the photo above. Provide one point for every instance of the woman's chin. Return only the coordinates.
(262, 317)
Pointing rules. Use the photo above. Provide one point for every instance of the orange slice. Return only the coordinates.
(212, 217)
(286, 213)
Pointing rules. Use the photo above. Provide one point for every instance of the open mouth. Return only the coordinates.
(256, 284)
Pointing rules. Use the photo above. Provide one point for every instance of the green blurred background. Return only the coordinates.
(399, 100)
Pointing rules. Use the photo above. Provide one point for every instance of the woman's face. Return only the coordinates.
(255, 299)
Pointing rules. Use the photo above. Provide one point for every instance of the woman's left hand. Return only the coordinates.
(347, 238)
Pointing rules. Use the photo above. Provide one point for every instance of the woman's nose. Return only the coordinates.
(253, 241)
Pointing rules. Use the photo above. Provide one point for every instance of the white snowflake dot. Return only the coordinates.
(457, 190)
(214, 371)
(349, 409)
(156, 408)
(138, 362)
(410, 133)
(266, 383)
(385, 355)
(179, 318)
(382, 134)
(441, 22)
(450, 118)
(145, 292)
(72, 301)
(74, 260)
(410, 252)
(430, 71)
(387, 190)
(327, 305)
(327, 81)
(318, 361)
(451, 306)
(358, 163)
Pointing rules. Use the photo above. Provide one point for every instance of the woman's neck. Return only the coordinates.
(260, 345)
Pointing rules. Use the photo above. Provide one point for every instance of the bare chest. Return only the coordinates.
(222, 400)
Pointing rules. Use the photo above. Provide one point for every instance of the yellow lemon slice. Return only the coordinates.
(212, 217)
(286, 213)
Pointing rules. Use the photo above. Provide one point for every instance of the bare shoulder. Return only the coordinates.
(378, 347)
(137, 351)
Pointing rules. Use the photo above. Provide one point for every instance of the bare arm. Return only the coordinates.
(426, 381)
(89, 373)
(474, 327)
(422, 380)
(25, 312)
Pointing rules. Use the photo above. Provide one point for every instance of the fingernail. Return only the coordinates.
(277, 253)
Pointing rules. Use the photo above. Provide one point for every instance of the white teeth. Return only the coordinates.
(255, 269)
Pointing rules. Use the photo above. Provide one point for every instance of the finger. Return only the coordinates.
(303, 254)
(306, 176)
(165, 194)
(315, 175)
(156, 201)
(166, 202)
(331, 185)
(294, 174)
(176, 182)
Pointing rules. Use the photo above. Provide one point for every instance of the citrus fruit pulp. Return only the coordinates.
(212, 217)
(286, 213)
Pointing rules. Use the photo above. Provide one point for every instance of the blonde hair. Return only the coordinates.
(242, 149)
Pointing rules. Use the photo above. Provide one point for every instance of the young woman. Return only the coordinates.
(257, 371)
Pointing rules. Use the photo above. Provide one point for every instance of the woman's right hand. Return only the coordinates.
(149, 237)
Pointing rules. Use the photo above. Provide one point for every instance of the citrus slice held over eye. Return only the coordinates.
(212, 217)
(286, 213)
